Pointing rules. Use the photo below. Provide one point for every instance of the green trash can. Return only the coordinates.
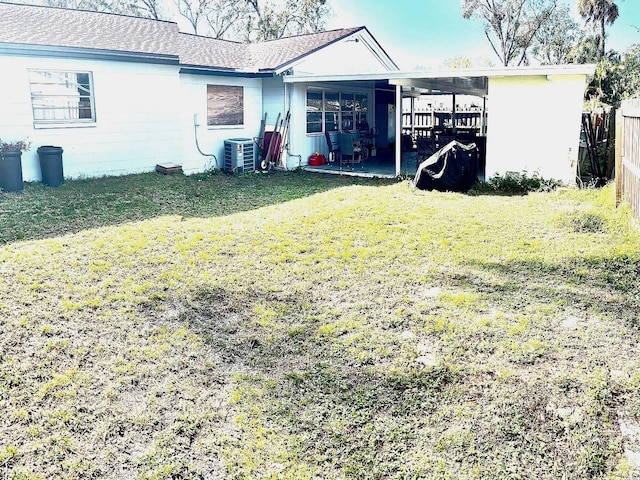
(51, 165)
(11, 171)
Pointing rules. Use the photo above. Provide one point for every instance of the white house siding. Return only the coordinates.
(274, 100)
(298, 148)
(136, 123)
(535, 125)
(193, 100)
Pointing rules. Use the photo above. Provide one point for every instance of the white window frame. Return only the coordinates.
(61, 101)
(355, 113)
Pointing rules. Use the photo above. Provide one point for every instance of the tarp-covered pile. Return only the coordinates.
(453, 168)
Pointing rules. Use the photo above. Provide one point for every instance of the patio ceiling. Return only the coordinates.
(477, 86)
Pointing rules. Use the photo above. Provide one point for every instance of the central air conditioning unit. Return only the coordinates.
(239, 155)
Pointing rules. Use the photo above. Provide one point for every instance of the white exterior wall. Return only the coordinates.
(355, 54)
(274, 101)
(300, 148)
(136, 122)
(534, 125)
(193, 100)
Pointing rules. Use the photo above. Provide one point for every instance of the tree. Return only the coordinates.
(193, 11)
(254, 20)
(510, 25)
(293, 18)
(557, 39)
(599, 13)
(586, 50)
(225, 20)
(630, 72)
(137, 8)
(465, 62)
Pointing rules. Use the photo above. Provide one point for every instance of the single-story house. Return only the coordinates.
(122, 94)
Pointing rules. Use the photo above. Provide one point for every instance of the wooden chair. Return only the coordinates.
(349, 151)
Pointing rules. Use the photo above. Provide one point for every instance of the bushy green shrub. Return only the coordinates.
(514, 183)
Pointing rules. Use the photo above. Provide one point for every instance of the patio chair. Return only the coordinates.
(332, 146)
(349, 151)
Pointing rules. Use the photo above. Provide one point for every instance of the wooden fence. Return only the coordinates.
(628, 155)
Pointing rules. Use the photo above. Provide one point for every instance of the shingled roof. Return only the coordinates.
(49, 27)
(59, 27)
(198, 51)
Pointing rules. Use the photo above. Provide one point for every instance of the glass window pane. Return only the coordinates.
(332, 102)
(331, 121)
(347, 102)
(347, 121)
(361, 103)
(61, 96)
(314, 122)
(314, 101)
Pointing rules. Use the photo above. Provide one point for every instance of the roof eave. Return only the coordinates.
(86, 53)
(222, 72)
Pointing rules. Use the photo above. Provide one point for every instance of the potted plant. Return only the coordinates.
(11, 164)
(17, 146)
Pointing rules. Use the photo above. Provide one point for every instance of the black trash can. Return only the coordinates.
(51, 165)
(11, 171)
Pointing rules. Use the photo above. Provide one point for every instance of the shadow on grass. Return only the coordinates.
(602, 285)
(301, 401)
(42, 212)
(295, 398)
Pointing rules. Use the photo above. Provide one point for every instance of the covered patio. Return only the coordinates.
(398, 122)
(534, 123)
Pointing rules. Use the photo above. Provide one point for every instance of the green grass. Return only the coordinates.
(294, 326)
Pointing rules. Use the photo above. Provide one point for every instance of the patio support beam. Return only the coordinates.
(453, 113)
(483, 118)
(413, 115)
(398, 122)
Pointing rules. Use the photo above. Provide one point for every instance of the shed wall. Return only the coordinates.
(534, 125)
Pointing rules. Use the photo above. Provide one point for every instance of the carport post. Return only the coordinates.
(453, 113)
(398, 144)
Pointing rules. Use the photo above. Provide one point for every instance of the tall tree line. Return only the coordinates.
(544, 31)
(240, 20)
(254, 20)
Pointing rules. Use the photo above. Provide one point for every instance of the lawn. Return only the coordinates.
(295, 326)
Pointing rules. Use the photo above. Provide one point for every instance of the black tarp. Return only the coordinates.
(453, 168)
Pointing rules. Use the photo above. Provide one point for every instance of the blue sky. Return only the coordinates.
(425, 33)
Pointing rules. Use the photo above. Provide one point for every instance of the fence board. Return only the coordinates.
(628, 155)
